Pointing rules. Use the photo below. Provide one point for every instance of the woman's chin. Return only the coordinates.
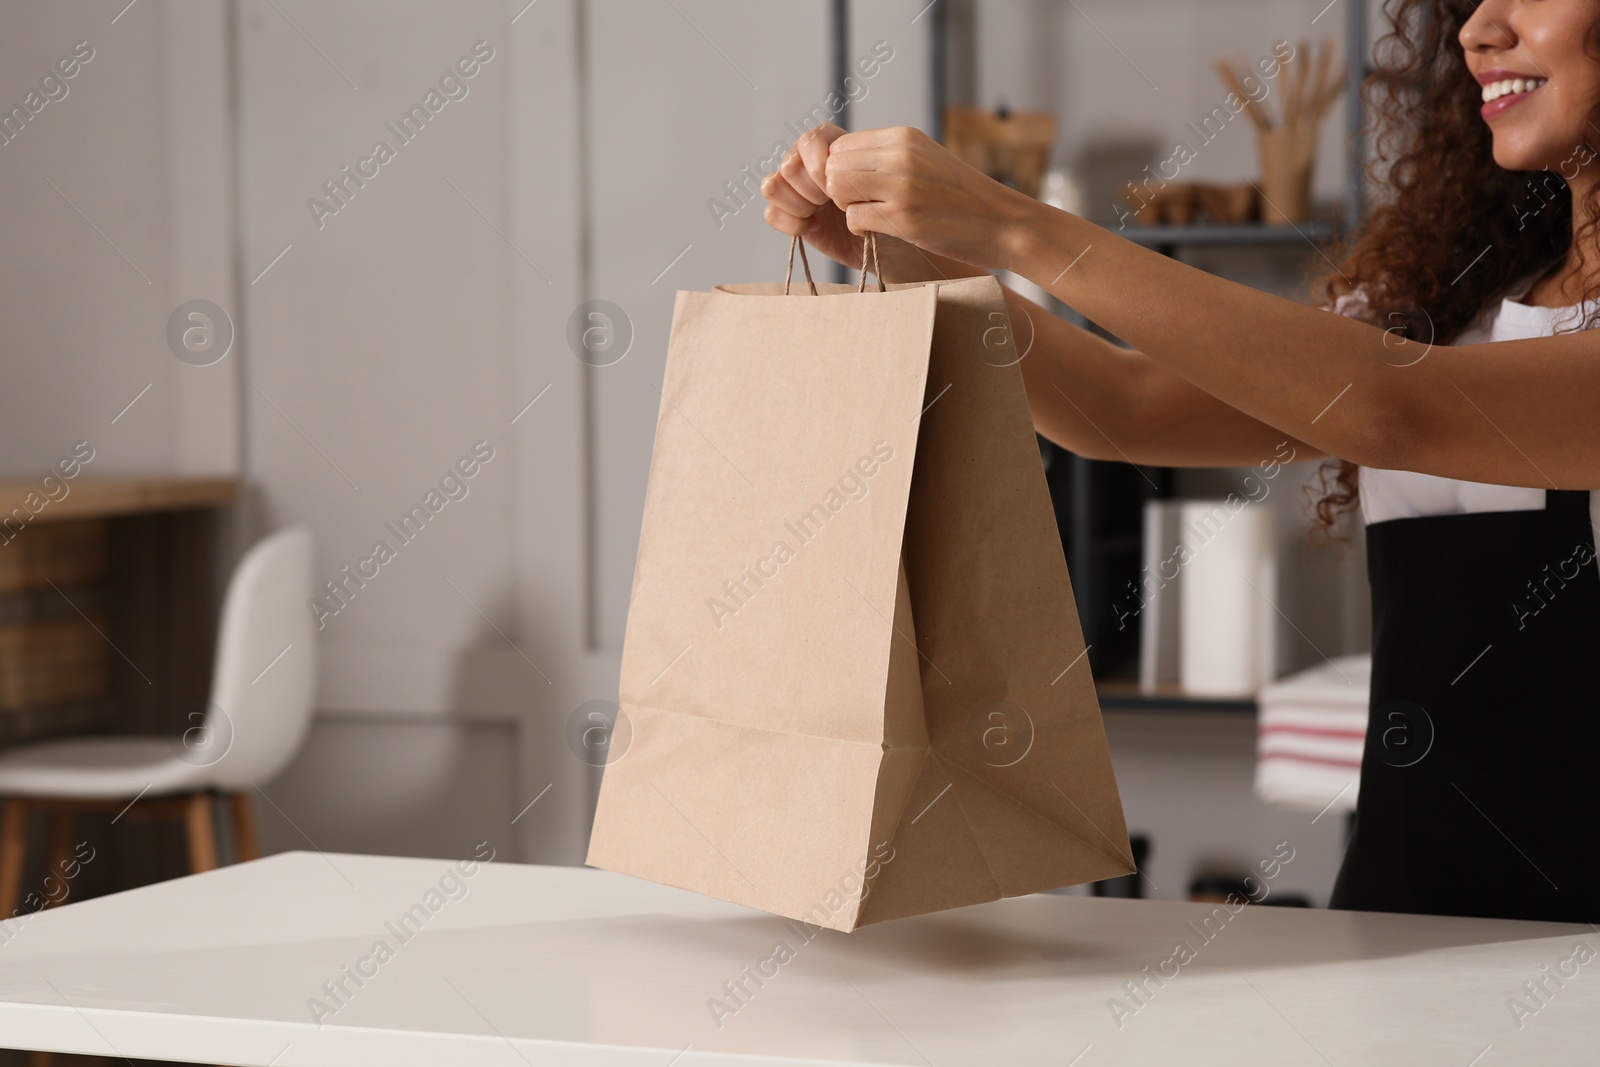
(1514, 155)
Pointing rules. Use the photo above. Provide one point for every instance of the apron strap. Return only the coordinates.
(1567, 501)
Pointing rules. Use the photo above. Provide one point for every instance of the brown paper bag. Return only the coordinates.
(853, 683)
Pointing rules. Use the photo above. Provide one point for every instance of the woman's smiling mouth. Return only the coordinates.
(1504, 89)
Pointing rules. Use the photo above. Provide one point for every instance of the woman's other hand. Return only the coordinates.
(796, 204)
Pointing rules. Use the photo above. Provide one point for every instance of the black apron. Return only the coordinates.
(1478, 789)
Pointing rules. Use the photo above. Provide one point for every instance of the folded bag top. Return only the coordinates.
(853, 685)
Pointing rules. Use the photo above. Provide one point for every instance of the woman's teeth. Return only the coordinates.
(1510, 86)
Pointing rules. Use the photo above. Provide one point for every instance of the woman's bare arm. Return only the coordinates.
(1103, 401)
(1508, 413)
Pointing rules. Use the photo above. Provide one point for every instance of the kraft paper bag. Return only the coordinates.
(853, 683)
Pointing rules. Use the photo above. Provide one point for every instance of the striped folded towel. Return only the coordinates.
(1311, 729)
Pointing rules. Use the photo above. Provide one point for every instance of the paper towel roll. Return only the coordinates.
(1229, 587)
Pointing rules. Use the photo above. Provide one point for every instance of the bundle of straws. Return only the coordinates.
(1308, 93)
(1288, 146)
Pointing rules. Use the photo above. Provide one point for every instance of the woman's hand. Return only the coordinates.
(902, 182)
(798, 205)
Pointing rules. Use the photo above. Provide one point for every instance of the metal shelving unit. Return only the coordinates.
(1082, 488)
(1101, 553)
(1237, 235)
(1117, 694)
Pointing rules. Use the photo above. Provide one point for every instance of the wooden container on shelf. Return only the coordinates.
(65, 554)
(1287, 156)
(51, 661)
(1009, 146)
(1230, 203)
(1310, 85)
(1174, 204)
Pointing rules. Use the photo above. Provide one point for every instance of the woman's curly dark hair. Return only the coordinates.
(1443, 201)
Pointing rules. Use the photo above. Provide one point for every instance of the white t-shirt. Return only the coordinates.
(1393, 494)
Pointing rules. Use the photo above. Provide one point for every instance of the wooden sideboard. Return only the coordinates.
(106, 603)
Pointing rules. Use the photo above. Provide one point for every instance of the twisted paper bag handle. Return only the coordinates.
(869, 247)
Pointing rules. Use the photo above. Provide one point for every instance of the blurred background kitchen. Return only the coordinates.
(230, 314)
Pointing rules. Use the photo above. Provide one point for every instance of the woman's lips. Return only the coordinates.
(1508, 100)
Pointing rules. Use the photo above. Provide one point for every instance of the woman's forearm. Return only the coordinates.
(1311, 375)
(1083, 390)
(1103, 401)
(1506, 412)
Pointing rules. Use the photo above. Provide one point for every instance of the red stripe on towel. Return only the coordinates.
(1314, 731)
(1327, 761)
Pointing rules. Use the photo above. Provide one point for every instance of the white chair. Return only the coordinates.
(260, 707)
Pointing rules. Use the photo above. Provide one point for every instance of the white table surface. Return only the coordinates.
(548, 965)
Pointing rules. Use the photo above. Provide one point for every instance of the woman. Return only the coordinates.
(1457, 390)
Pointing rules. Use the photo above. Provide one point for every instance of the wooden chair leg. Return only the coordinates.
(13, 853)
(244, 827)
(58, 852)
(202, 830)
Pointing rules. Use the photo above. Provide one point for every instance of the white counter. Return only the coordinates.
(544, 965)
